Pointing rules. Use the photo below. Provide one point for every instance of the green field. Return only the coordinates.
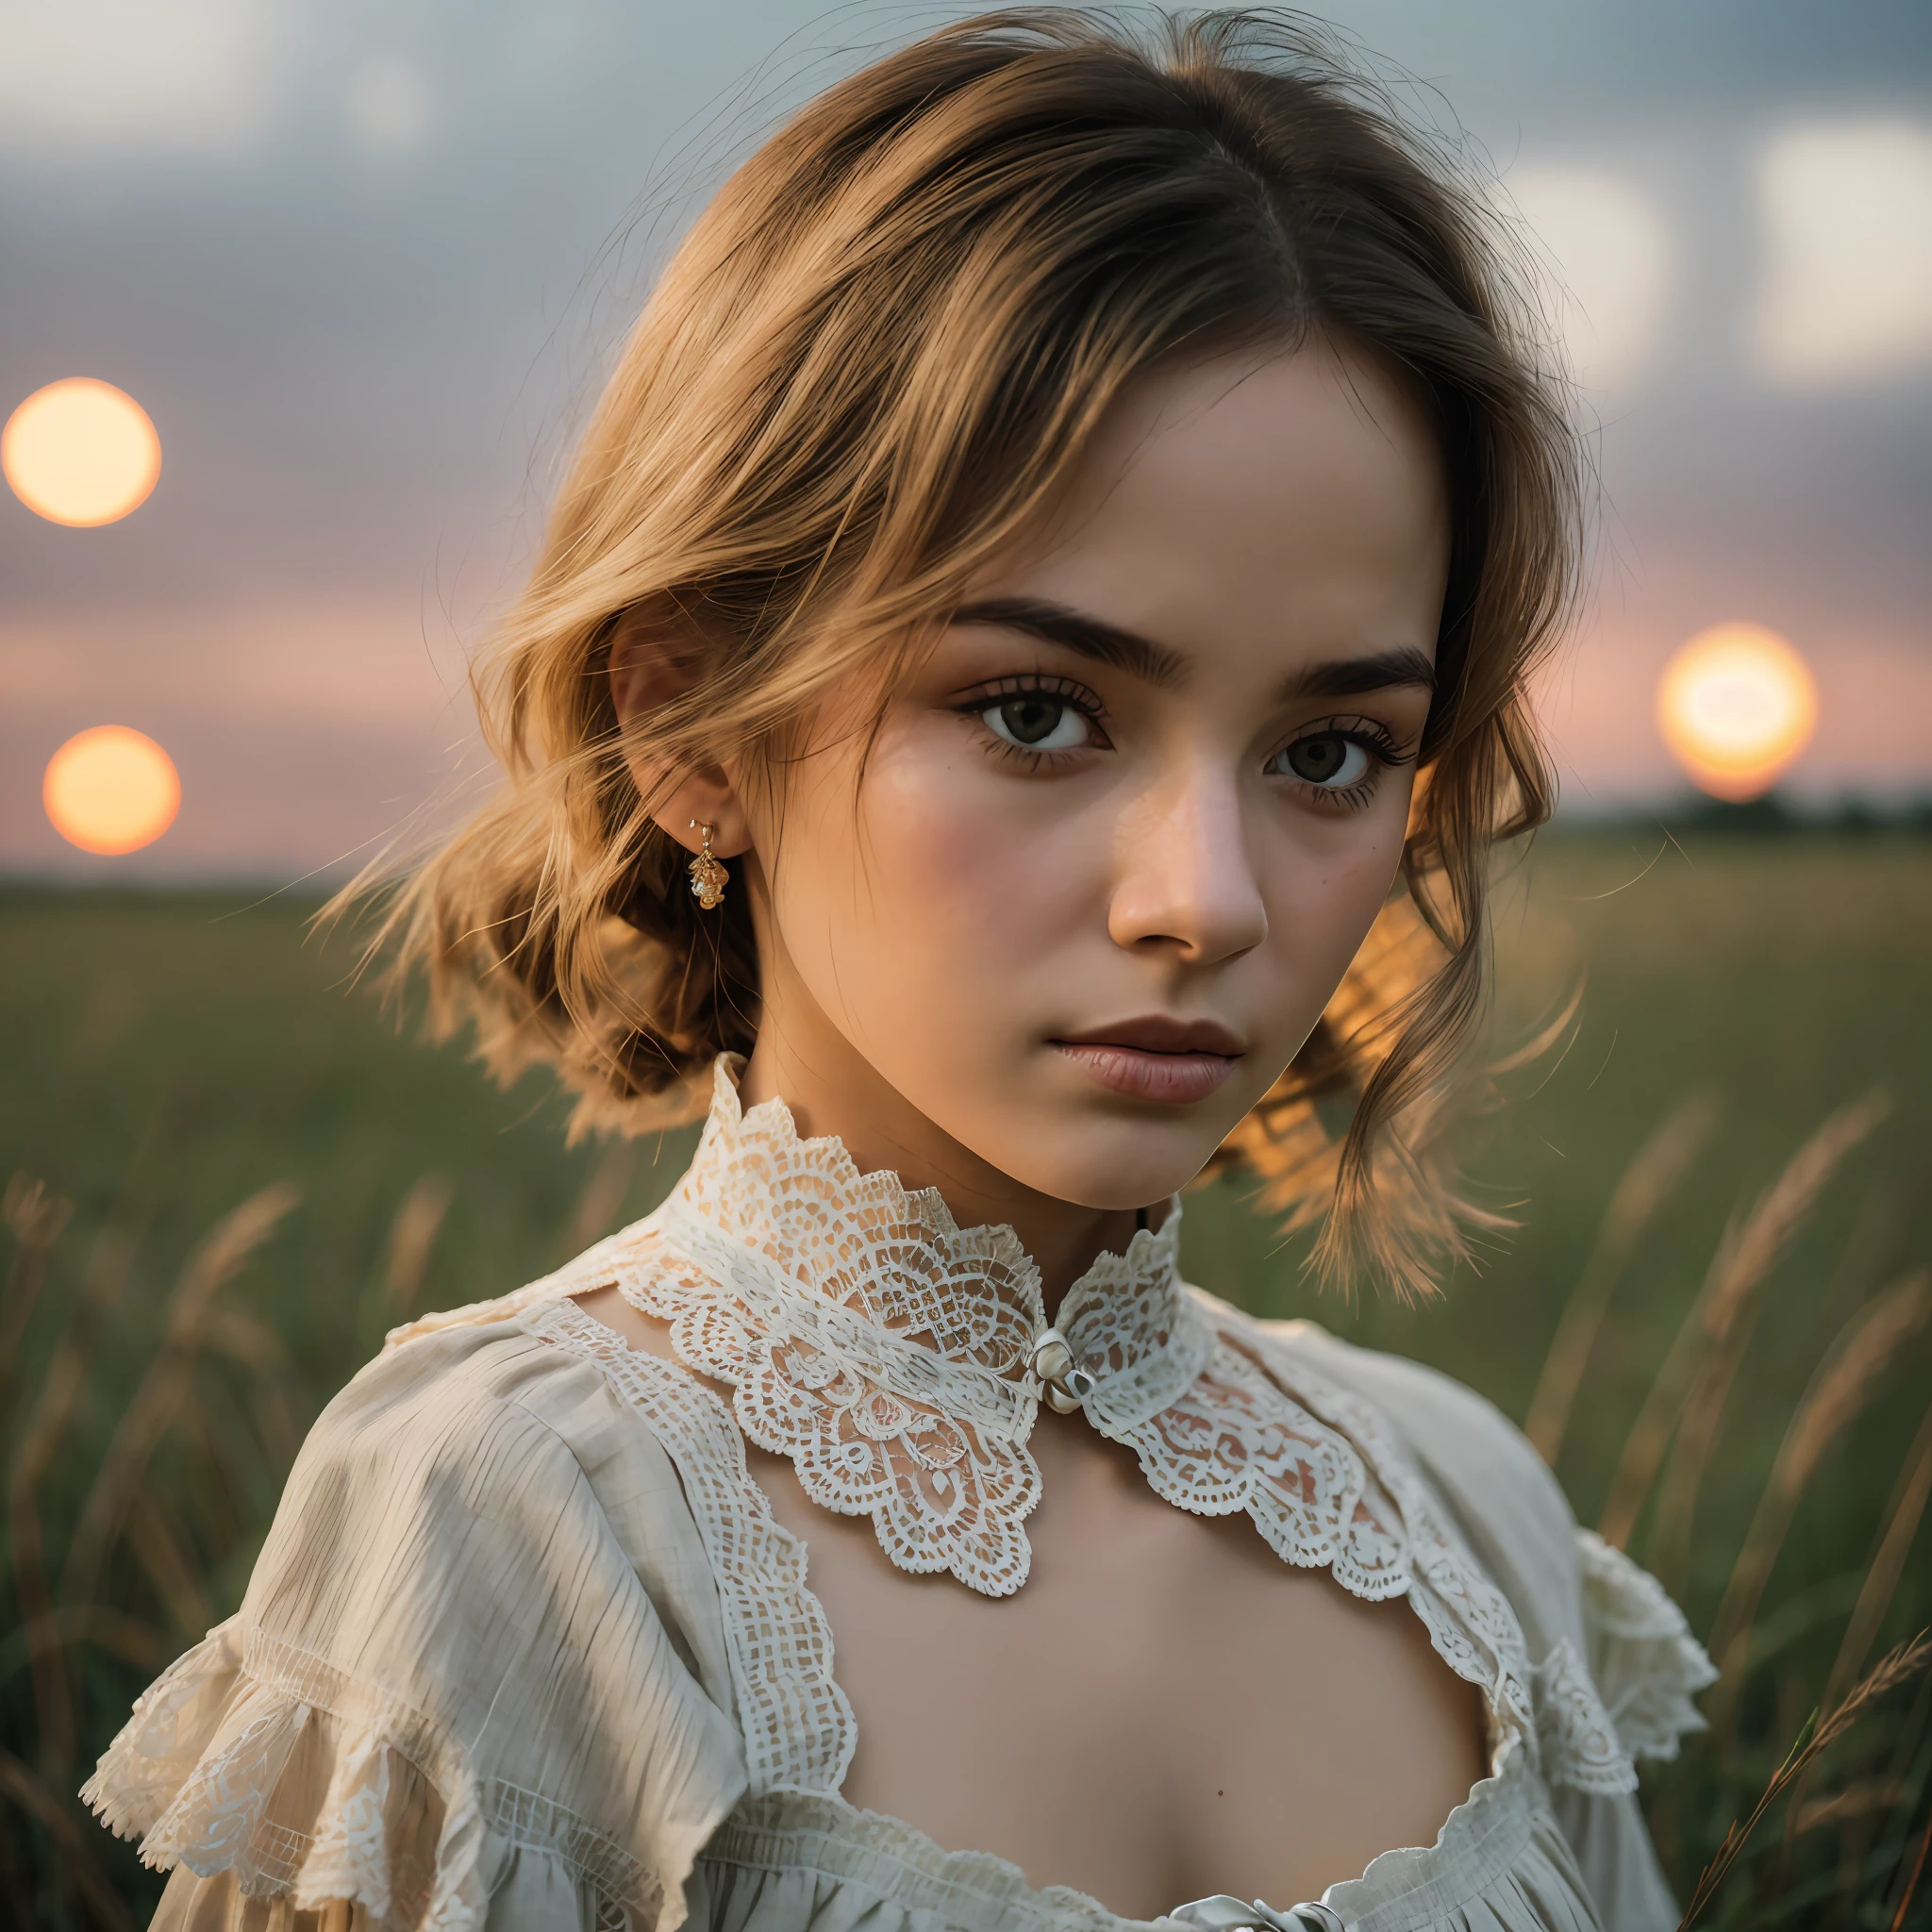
(163, 1058)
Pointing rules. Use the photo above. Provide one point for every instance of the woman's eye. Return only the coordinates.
(1038, 721)
(1327, 758)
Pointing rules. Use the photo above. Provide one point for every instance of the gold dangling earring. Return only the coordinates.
(708, 876)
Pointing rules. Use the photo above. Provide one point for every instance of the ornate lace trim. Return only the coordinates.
(1132, 1324)
(1578, 1740)
(1236, 1439)
(195, 1770)
(865, 1335)
(153, 1752)
(872, 1422)
(797, 1724)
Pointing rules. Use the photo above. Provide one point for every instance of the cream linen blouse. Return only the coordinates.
(526, 1650)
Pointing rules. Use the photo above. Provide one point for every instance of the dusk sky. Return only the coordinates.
(363, 263)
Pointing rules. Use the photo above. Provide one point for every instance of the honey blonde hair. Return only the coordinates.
(869, 367)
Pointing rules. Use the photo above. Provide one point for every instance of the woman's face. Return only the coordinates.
(1116, 843)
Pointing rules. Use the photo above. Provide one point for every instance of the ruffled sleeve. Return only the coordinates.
(479, 1682)
(1646, 1664)
(1623, 1688)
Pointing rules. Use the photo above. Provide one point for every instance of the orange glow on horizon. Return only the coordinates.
(112, 791)
(1736, 706)
(81, 453)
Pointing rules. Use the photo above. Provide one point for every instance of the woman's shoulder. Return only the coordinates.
(455, 1385)
(481, 1421)
(628, 1252)
(484, 1390)
(473, 1460)
(475, 1453)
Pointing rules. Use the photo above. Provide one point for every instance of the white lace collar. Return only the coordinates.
(898, 1359)
(891, 1356)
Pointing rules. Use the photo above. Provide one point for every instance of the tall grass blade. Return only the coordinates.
(1654, 1172)
(237, 1335)
(172, 1572)
(1843, 1385)
(1860, 1799)
(411, 1238)
(108, 1265)
(35, 1216)
(1898, 1917)
(1747, 1254)
(114, 1631)
(1903, 1512)
(218, 1259)
(1897, 1667)
(1880, 1581)
(1669, 1549)
(601, 1203)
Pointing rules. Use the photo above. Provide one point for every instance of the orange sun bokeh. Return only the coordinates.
(1736, 706)
(81, 453)
(111, 790)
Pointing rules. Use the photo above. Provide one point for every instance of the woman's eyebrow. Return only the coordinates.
(1106, 644)
(1349, 677)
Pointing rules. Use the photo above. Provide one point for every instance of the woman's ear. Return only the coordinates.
(654, 659)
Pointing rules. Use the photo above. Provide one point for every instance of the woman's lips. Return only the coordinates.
(1157, 1058)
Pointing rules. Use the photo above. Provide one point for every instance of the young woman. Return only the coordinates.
(1033, 641)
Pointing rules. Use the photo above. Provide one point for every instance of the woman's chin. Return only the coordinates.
(1107, 1165)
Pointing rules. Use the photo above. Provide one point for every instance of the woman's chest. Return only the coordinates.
(1165, 1709)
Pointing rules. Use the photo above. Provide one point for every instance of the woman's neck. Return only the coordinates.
(831, 1089)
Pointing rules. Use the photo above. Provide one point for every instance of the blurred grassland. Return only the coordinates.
(163, 1056)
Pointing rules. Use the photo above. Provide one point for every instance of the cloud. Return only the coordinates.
(123, 74)
(1607, 255)
(1847, 289)
(389, 106)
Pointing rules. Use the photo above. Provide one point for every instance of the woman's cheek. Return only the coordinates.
(1329, 898)
(995, 866)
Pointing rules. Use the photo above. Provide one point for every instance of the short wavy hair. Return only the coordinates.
(869, 365)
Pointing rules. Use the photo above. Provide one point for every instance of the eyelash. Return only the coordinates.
(1075, 695)
(1373, 737)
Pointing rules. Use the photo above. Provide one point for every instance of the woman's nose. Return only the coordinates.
(1184, 878)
